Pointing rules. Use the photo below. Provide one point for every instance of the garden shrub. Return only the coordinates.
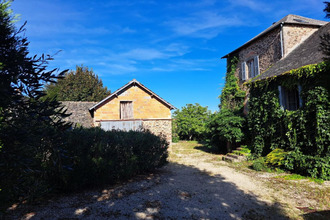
(276, 158)
(100, 157)
(259, 164)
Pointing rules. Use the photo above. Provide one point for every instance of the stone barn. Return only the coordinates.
(133, 107)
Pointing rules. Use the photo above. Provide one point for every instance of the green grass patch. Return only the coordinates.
(300, 177)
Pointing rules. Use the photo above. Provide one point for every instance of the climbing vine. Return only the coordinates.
(303, 133)
(226, 128)
(232, 96)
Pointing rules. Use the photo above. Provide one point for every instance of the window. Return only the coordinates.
(126, 110)
(290, 98)
(250, 68)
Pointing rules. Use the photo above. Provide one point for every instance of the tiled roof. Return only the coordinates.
(306, 53)
(289, 19)
(131, 83)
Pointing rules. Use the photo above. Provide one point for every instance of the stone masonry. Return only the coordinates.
(268, 47)
(80, 116)
(159, 127)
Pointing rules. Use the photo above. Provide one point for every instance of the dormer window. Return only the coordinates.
(250, 68)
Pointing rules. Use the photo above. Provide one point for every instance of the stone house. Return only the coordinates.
(133, 107)
(272, 45)
(287, 81)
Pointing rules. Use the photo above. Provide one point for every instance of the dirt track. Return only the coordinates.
(194, 185)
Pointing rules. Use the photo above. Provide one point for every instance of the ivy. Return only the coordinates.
(232, 96)
(304, 132)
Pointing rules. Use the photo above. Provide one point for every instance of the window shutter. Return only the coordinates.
(299, 95)
(281, 97)
(243, 71)
(126, 110)
(256, 66)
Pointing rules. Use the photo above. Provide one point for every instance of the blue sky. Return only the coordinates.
(172, 47)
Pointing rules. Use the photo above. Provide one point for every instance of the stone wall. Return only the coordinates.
(294, 35)
(158, 127)
(145, 106)
(267, 47)
(80, 114)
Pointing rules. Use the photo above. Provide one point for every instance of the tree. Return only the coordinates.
(79, 85)
(190, 121)
(226, 127)
(327, 9)
(30, 127)
(325, 38)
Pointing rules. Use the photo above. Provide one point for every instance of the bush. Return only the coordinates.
(276, 158)
(260, 164)
(314, 166)
(100, 157)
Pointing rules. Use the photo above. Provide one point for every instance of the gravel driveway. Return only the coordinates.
(189, 187)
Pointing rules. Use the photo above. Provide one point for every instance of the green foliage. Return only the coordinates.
(260, 165)
(232, 96)
(79, 85)
(31, 128)
(101, 157)
(276, 158)
(225, 126)
(314, 166)
(305, 132)
(190, 122)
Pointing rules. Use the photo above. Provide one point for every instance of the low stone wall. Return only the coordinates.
(159, 126)
(80, 114)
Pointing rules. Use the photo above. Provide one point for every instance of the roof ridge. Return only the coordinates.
(288, 19)
(134, 82)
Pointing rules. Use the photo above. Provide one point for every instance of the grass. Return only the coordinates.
(300, 177)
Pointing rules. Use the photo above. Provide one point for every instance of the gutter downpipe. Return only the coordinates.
(281, 36)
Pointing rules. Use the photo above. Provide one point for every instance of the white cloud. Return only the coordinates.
(144, 54)
(205, 24)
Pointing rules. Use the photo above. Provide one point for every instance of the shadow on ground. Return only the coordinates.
(175, 192)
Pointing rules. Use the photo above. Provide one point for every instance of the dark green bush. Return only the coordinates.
(314, 166)
(260, 164)
(99, 157)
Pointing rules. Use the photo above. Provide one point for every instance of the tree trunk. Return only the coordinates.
(228, 147)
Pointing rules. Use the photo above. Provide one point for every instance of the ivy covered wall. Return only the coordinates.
(304, 134)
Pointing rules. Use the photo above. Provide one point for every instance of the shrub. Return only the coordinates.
(314, 166)
(276, 158)
(100, 157)
(260, 164)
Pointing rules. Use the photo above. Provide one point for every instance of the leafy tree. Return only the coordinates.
(190, 121)
(79, 85)
(325, 38)
(226, 128)
(30, 127)
(327, 9)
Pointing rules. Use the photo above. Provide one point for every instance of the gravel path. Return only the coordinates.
(186, 188)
